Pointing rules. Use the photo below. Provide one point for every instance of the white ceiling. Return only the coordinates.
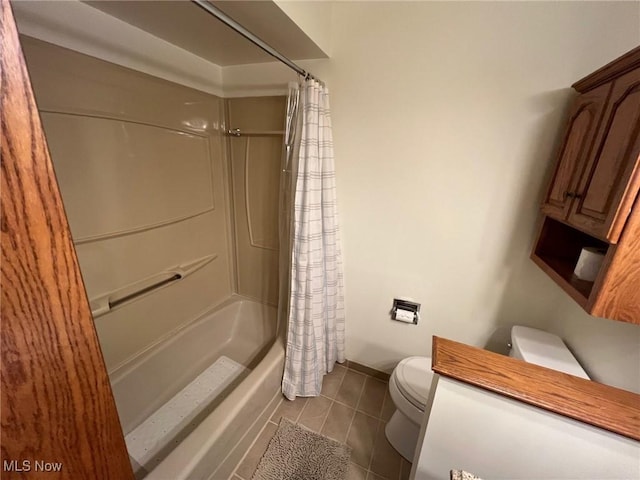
(188, 26)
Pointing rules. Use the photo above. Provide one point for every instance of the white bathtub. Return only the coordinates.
(241, 329)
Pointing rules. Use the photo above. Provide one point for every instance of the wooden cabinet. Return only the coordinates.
(584, 120)
(596, 177)
(592, 199)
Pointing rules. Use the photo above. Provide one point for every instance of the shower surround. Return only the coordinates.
(176, 229)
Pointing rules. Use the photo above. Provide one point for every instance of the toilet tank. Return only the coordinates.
(544, 349)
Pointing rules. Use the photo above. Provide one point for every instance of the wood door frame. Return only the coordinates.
(58, 411)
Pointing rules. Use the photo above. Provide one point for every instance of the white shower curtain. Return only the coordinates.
(316, 324)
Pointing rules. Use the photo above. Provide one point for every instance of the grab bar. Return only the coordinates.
(104, 303)
(236, 132)
(142, 291)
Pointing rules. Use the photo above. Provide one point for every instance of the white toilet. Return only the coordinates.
(411, 380)
(409, 388)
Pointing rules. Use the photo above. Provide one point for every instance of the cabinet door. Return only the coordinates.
(582, 126)
(611, 180)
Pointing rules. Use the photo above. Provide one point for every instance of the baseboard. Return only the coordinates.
(358, 367)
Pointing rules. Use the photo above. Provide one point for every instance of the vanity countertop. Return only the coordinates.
(587, 401)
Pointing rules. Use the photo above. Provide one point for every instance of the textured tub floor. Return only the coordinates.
(354, 408)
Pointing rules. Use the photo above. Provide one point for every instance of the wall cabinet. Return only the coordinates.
(584, 120)
(596, 177)
(592, 199)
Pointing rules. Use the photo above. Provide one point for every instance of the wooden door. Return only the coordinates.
(59, 418)
(583, 124)
(610, 183)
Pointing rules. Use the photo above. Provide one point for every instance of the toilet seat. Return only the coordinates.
(412, 379)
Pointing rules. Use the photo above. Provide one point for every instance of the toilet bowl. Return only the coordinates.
(410, 382)
(409, 389)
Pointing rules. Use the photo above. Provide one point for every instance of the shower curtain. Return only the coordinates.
(316, 323)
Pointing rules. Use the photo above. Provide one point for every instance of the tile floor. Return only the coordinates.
(353, 408)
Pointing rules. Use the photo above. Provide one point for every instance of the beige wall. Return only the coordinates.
(313, 17)
(608, 350)
(255, 159)
(445, 119)
(140, 166)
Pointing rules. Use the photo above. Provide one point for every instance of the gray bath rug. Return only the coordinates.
(295, 453)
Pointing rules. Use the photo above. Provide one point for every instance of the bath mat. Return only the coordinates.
(296, 453)
(149, 441)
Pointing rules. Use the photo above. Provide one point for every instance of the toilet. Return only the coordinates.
(409, 389)
(410, 382)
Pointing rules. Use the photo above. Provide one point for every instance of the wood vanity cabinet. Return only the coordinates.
(592, 199)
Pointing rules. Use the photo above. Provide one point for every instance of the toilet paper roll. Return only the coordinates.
(404, 315)
(589, 264)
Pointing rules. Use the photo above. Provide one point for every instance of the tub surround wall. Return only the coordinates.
(139, 161)
(255, 177)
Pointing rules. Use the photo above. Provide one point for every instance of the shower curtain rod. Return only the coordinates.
(226, 19)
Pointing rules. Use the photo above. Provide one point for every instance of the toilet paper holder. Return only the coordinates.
(405, 311)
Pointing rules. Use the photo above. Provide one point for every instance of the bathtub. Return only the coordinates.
(240, 329)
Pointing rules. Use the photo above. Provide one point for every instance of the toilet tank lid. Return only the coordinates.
(414, 376)
(545, 349)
